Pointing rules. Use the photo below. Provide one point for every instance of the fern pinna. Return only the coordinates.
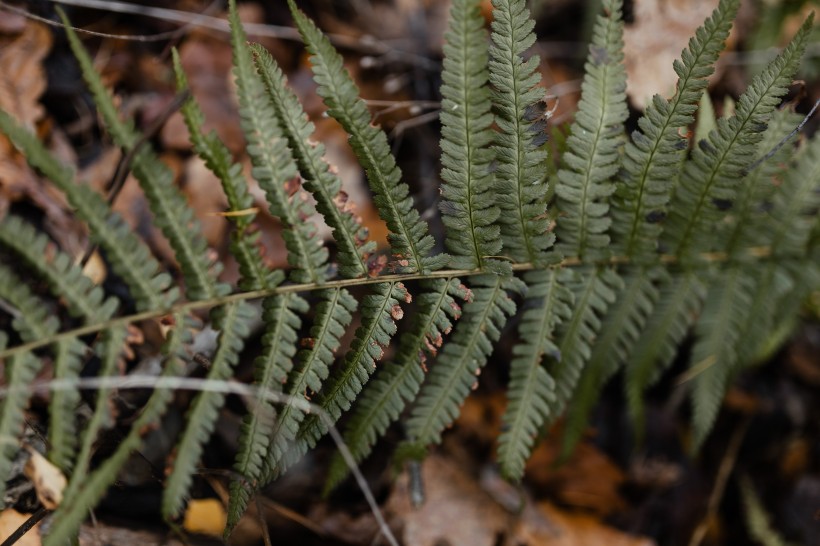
(636, 242)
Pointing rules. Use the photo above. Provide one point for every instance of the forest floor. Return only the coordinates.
(614, 490)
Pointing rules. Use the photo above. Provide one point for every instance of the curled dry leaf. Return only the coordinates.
(49, 482)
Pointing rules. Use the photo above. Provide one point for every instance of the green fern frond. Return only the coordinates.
(127, 254)
(531, 391)
(595, 290)
(757, 520)
(592, 156)
(333, 315)
(244, 246)
(271, 368)
(519, 151)
(21, 369)
(710, 179)
(459, 364)
(681, 298)
(33, 319)
(398, 382)
(318, 178)
(409, 238)
(744, 227)
(70, 515)
(172, 214)
(65, 279)
(652, 159)
(62, 431)
(273, 164)
(793, 215)
(109, 349)
(623, 325)
(467, 202)
(233, 322)
(380, 311)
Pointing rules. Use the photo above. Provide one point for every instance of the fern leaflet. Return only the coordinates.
(592, 154)
(459, 364)
(520, 184)
(410, 241)
(395, 385)
(273, 164)
(171, 211)
(467, 202)
(232, 320)
(320, 181)
(710, 179)
(532, 390)
(653, 156)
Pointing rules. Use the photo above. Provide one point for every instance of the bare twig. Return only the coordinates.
(27, 525)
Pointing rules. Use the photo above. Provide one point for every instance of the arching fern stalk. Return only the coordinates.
(603, 298)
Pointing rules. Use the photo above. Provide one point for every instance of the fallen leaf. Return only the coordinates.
(661, 30)
(205, 516)
(11, 520)
(49, 482)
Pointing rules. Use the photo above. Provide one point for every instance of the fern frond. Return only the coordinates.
(592, 157)
(21, 369)
(317, 177)
(271, 369)
(717, 167)
(409, 238)
(172, 214)
(109, 349)
(757, 520)
(273, 164)
(457, 367)
(62, 410)
(333, 315)
(33, 319)
(519, 151)
(396, 384)
(255, 275)
(532, 391)
(467, 203)
(65, 279)
(747, 217)
(714, 355)
(232, 320)
(380, 311)
(70, 515)
(623, 325)
(793, 214)
(680, 300)
(595, 290)
(127, 254)
(652, 159)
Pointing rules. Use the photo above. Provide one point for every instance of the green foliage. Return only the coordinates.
(520, 184)
(735, 279)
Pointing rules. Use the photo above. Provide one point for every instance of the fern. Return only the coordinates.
(129, 256)
(459, 364)
(591, 159)
(408, 237)
(171, 212)
(217, 157)
(271, 369)
(520, 186)
(532, 390)
(232, 322)
(652, 159)
(273, 164)
(323, 184)
(467, 202)
(737, 289)
(710, 179)
(397, 384)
